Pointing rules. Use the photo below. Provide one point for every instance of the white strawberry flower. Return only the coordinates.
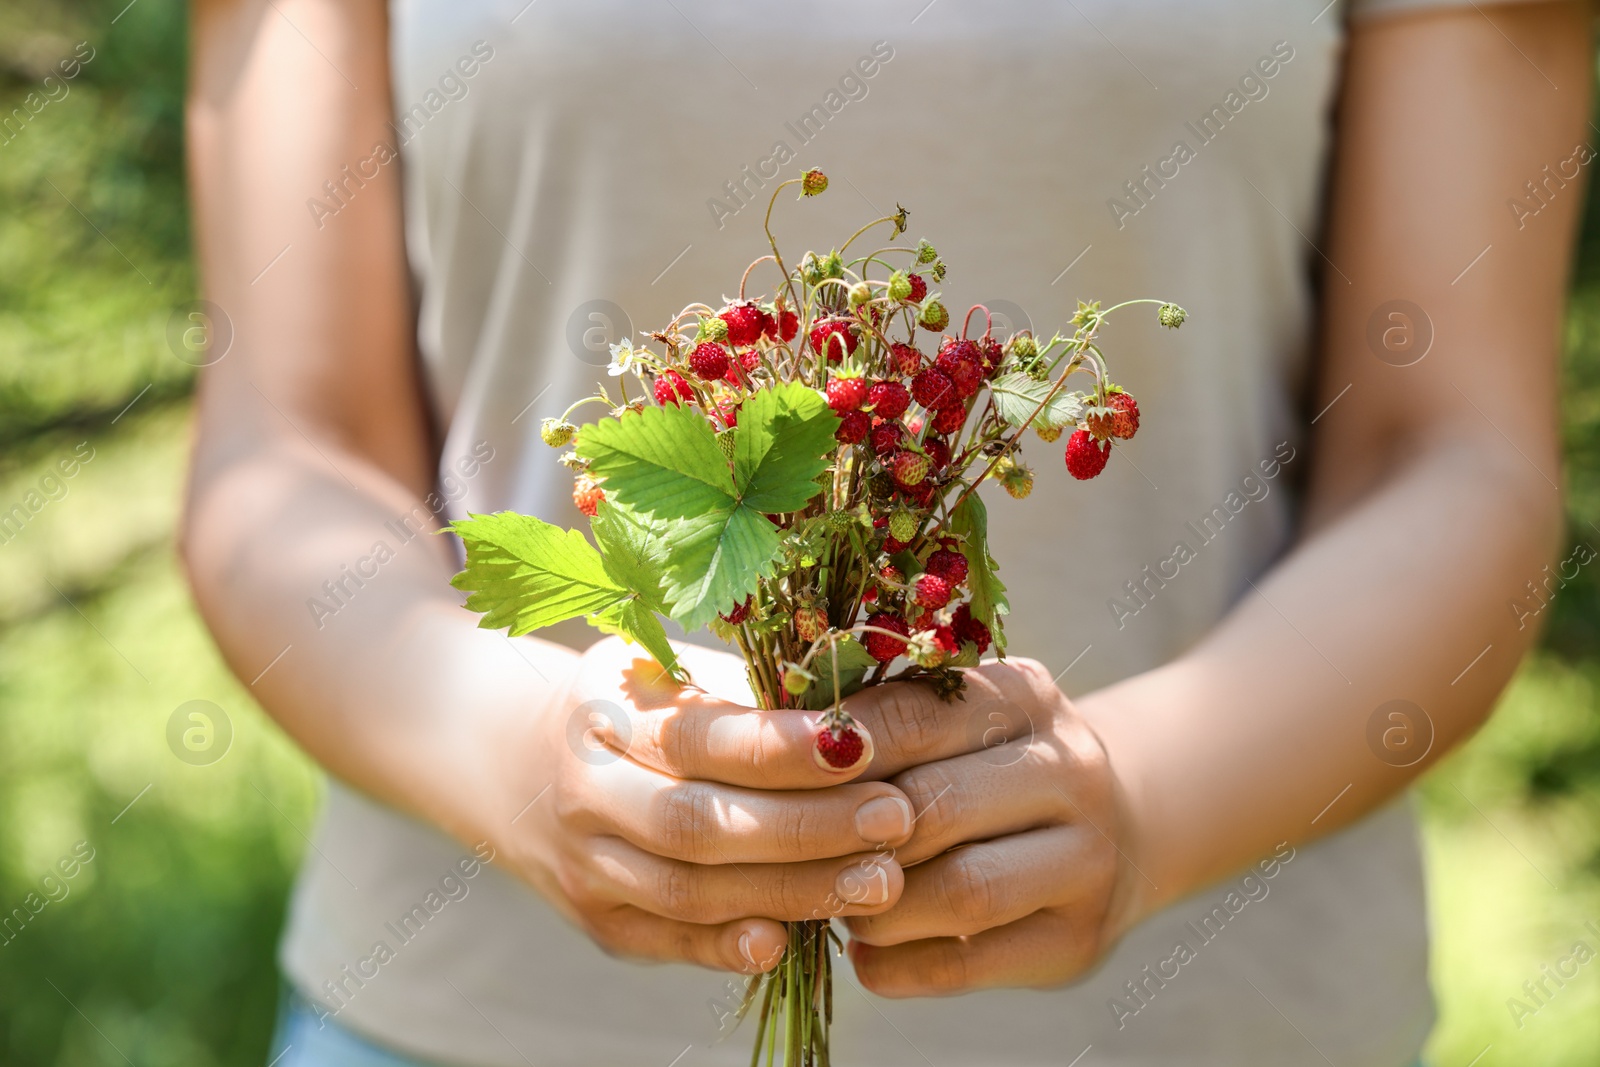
(622, 356)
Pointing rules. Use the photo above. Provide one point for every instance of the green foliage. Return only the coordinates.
(970, 520)
(854, 663)
(525, 574)
(664, 463)
(1017, 397)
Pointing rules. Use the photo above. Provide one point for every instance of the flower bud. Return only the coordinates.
(860, 293)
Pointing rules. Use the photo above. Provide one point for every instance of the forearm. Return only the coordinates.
(331, 599)
(1260, 734)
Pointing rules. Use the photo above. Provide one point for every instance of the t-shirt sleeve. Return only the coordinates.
(1358, 10)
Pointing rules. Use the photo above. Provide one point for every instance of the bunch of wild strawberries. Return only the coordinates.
(917, 431)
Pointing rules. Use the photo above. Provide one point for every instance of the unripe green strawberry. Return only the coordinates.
(860, 293)
(1015, 478)
(1171, 316)
(726, 443)
(810, 621)
(899, 286)
(557, 433)
(796, 681)
(926, 253)
(713, 329)
(903, 524)
(934, 317)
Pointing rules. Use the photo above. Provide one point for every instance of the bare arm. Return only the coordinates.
(313, 436)
(1433, 500)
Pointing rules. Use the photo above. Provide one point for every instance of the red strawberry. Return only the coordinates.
(739, 613)
(1085, 459)
(921, 494)
(587, 494)
(672, 389)
(933, 389)
(840, 747)
(784, 326)
(951, 566)
(854, 427)
(745, 323)
(991, 353)
(709, 360)
(933, 592)
(836, 337)
(907, 360)
(883, 647)
(887, 437)
(909, 468)
(1101, 424)
(728, 412)
(891, 545)
(846, 394)
(957, 350)
(889, 400)
(919, 289)
(750, 360)
(949, 420)
(938, 451)
(1125, 423)
(969, 629)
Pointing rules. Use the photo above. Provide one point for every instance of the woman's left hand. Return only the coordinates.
(1014, 875)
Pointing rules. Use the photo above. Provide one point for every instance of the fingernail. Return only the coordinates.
(744, 949)
(861, 760)
(883, 819)
(865, 883)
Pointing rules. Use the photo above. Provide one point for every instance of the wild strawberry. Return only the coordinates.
(1015, 478)
(745, 322)
(906, 360)
(854, 427)
(784, 326)
(949, 420)
(933, 592)
(557, 432)
(709, 360)
(1085, 459)
(810, 621)
(813, 183)
(587, 494)
(846, 394)
(991, 354)
(1125, 423)
(933, 389)
(796, 681)
(889, 572)
(887, 437)
(969, 629)
(894, 546)
(938, 451)
(834, 337)
(934, 317)
(885, 647)
(750, 360)
(739, 613)
(1049, 434)
(840, 748)
(728, 412)
(951, 566)
(903, 525)
(919, 289)
(1099, 422)
(909, 468)
(672, 389)
(955, 351)
(922, 493)
(889, 400)
(871, 595)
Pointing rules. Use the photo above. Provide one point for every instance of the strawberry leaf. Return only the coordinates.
(717, 561)
(663, 461)
(970, 520)
(1017, 397)
(634, 551)
(524, 574)
(634, 621)
(782, 443)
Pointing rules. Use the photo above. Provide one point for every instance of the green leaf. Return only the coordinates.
(717, 561)
(1017, 397)
(854, 662)
(663, 461)
(971, 521)
(635, 552)
(633, 620)
(525, 574)
(783, 442)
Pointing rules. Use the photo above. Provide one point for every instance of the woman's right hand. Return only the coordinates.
(673, 825)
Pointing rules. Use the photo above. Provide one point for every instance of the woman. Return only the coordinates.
(427, 222)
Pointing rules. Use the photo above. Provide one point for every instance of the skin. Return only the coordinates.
(1421, 521)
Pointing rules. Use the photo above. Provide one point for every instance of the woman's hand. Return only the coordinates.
(673, 825)
(1014, 874)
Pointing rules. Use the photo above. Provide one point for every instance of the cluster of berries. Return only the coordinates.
(918, 429)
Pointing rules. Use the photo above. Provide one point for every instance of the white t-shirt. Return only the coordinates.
(578, 171)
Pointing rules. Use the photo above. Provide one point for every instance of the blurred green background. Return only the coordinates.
(160, 952)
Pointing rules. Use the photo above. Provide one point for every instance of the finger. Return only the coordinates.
(708, 823)
(788, 892)
(979, 887)
(747, 946)
(912, 725)
(1043, 950)
(980, 796)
